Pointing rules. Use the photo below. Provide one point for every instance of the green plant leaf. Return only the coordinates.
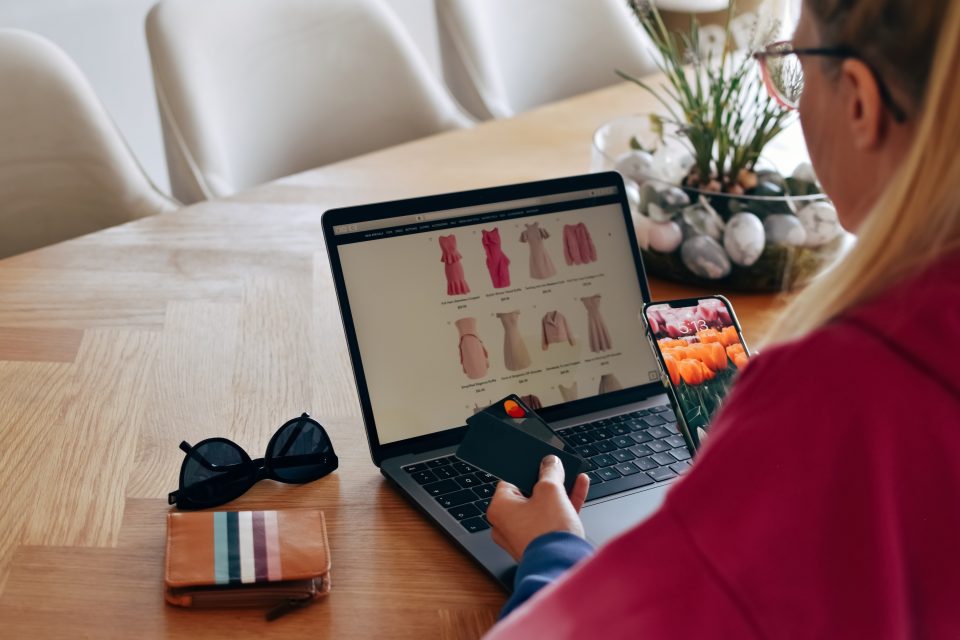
(720, 108)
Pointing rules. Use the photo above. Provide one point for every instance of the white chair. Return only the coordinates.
(64, 169)
(251, 90)
(502, 57)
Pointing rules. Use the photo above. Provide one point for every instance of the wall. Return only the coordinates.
(106, 39)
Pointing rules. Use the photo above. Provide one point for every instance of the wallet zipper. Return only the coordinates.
(280, 600)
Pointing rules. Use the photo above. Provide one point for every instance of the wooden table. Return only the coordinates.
(220, 320)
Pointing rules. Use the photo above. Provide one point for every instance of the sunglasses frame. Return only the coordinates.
(257, 469)
(785, 48)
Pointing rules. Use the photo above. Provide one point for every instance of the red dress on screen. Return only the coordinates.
(452, 268)
(498, 264)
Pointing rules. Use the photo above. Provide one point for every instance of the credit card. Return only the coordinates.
(512, 454)
(516, 413)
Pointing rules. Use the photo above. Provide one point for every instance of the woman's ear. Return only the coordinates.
(863, 105)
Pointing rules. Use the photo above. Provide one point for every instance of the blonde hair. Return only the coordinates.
(916, 220)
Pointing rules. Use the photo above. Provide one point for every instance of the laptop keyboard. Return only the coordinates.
(628, 451)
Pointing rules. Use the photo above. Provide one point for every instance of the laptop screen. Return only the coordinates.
(455, 309)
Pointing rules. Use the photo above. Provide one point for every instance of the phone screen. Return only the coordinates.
(699, 345)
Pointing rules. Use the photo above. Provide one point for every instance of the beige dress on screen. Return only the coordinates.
(609, 382)
(599, 336)
(569, 393)
(541, 266)
(515, 355)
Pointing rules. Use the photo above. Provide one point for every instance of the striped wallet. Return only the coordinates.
(274, 559)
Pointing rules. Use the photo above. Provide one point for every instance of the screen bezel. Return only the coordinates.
(370, 212)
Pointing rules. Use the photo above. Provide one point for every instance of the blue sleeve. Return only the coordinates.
(543, 561)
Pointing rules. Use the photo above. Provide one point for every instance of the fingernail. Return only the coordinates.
(550, 459)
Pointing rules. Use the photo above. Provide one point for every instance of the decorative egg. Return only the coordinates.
(819, 220)
(670, 165)
(785, 229)
(704, 256)
(633, 194)
(635, 165)
(744, 238)
(767, 189)
(674, 198)
(648, 195)
(800, 188)
(804, 173)
(658, 213)
(641, 226)
(665, 237)
(771, 177)
(804, 181)
(704, 219)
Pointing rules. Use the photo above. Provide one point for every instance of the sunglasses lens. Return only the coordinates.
(217, 473)
(301, 452)
(785, 74)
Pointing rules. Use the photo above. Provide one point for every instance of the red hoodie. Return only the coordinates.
(826, 503)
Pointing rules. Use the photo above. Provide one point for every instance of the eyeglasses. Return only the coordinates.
(783, 73)
(217, 470)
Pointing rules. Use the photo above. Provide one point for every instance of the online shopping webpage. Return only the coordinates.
(452, 314)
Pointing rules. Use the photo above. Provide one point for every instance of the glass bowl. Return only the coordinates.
(783, 244)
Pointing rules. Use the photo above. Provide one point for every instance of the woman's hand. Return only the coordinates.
(517, 520)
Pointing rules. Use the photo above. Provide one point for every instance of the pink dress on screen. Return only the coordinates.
(456, 281)
(541, 266)
(498, 264)
(473, 355)
(578, 247)
(599, 336)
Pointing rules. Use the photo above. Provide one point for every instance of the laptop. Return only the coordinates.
(439, 325)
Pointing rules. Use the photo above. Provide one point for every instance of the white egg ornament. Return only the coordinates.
(635, 165)
(703, 219)
(670, 165)
(665, 237)
(804, 173)
(784, 229)
(641, 226)
(820, 221)
(674, 198)
(744, 238)
(705, 257)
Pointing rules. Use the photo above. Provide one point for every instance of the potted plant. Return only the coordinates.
(708, 207)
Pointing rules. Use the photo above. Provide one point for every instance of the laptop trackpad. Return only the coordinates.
(605, 520)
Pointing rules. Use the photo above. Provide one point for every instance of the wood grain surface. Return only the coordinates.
(220, 320)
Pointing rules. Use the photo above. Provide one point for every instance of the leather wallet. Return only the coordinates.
(274, 559)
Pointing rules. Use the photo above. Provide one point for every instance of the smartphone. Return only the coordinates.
(699, 349)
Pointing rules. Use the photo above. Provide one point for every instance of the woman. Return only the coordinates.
(827, 501)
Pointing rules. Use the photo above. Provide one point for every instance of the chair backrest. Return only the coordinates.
(64, 168)
(251, 90)
(502, 57)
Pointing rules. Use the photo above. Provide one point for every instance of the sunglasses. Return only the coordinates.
(217, 470)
